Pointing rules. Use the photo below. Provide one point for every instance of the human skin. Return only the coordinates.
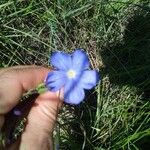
(15, 81)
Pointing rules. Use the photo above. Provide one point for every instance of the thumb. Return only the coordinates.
(41, 121)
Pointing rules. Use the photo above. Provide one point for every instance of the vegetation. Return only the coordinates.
(116, 36)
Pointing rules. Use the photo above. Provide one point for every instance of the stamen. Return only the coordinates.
(71, 74)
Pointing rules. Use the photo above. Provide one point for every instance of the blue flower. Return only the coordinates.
(72, 73)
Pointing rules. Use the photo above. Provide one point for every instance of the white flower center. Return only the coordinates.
(71, 74)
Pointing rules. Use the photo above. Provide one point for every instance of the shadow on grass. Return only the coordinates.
(129, 63)
(80, 127)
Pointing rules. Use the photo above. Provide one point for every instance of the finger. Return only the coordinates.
(16, 68)
(15, 81)
(41, 121)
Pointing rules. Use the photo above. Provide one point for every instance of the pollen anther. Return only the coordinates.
(71, 74)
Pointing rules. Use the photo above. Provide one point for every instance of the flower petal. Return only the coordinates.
(17, 112)
(73, 93)
(61, 60)
(89, 79)
(80, 60)
(55, 80)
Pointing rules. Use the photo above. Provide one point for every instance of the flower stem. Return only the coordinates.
(41, 88)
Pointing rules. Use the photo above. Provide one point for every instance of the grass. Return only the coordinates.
(116, 36)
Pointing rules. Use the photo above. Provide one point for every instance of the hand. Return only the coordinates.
(14, 82)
